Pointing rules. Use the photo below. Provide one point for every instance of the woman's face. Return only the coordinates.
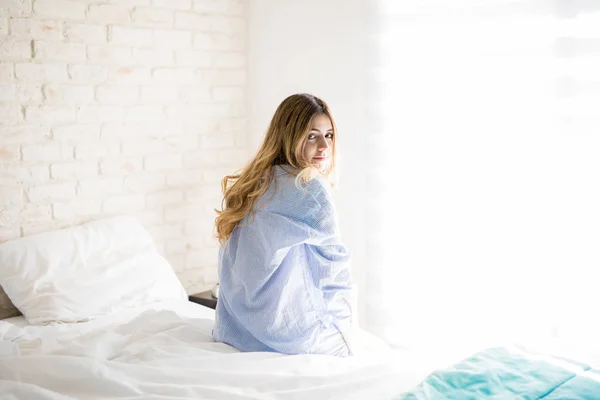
(318, 146)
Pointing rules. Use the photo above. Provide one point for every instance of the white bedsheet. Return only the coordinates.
(166, 351)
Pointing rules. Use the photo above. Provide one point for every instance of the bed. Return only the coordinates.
(165, 350)
(105, 317)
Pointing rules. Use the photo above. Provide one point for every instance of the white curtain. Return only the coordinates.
(484, 172)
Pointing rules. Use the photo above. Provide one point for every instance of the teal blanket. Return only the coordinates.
(510, 374)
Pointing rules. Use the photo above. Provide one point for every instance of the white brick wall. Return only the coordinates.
(122, 107)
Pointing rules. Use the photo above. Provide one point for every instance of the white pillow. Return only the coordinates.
(84, 272)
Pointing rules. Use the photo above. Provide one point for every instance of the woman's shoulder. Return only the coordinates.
(288, 196)
(288, 187)
(309, 203)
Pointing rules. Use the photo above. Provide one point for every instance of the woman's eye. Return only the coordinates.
(311, 137)
(329, 136)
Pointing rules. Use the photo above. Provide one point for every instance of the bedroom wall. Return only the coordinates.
(122, 107)
(317, 47)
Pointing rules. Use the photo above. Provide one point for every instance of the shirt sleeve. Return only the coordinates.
(292, 274)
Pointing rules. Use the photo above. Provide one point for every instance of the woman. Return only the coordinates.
(284, 274)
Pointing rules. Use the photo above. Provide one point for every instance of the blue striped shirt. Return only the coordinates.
(284, 274)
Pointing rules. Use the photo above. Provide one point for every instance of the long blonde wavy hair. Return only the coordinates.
(283, 144)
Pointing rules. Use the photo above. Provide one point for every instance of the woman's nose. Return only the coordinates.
(322, 144)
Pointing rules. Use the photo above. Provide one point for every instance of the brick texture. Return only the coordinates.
(129, 107)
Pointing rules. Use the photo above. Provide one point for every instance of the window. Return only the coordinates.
(485, 171)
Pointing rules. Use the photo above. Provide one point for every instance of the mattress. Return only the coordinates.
(165, 350)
